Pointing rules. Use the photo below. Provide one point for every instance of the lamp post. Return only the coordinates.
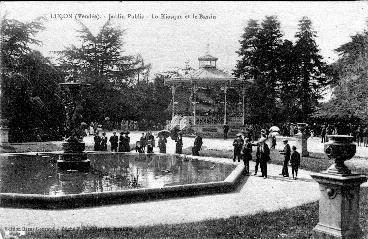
(225, 103)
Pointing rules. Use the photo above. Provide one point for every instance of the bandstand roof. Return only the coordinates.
(204, 75)
(207, 57)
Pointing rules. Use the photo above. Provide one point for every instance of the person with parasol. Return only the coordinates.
(162, 144)
(163, 134)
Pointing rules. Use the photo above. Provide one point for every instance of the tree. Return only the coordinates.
(260, 61)
(349, 99)
(30, 97)
(288, 84)
(100, 61)
(311, 68)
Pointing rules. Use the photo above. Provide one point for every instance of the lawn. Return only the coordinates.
(314, 164)
(295, 223)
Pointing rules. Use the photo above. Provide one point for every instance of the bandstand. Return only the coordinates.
(206, 98)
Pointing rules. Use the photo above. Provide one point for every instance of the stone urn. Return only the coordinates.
(340, 148)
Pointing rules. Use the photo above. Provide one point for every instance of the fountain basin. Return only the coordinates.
(30, 181)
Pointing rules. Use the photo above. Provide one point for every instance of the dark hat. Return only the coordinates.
(285, 140)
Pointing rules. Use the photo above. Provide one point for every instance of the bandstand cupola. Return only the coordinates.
(207, 61)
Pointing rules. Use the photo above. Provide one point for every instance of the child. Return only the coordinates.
(150, 146)
(295, 162)
(138, 147)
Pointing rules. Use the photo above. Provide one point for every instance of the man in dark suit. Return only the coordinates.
(286, 152)
(263, 153)
(247, 154)
(295, 162)
(197, 145)
(238, 145)
(179, 144)
(226, 130)
(114, 139)
(97, 140)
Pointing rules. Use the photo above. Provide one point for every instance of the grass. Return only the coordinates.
(296, 223)
(314, 164)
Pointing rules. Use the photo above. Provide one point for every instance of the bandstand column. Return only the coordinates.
(173, 88)
(243, 105)
(225, 91)
(195, 89)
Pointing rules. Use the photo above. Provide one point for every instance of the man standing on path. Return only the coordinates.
(238, 145)
(114, 139)
(263, 153)
(103, 146)
(97, 140)
(226, 130)
(143, 141)
(197, 144)
(247, 154)
(295, 162)
(179, 144)
(286, 152)
(323, 134)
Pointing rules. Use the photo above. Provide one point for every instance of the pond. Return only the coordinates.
(30, 174)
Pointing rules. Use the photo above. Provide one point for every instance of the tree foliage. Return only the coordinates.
(349, 101)
(30, 97)
(288, 78)
(311, 68)
(99, 60)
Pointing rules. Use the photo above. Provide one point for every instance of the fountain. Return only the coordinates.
(74, 157)
(74, 179)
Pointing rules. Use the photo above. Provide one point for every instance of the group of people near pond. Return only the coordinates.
(118, 144)
(243, 149)
(145, 144)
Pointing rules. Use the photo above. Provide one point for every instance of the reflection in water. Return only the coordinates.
(109, 172)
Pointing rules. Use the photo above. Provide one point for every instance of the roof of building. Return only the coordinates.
(207, 57)
(206, 75)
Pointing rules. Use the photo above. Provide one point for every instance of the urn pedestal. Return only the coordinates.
(301, 140)
(339, 201)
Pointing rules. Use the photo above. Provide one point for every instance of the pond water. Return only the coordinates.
(109, 172)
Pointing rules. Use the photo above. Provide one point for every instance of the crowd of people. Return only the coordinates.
(243, 148)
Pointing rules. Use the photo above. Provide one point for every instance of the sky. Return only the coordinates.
(182, 34)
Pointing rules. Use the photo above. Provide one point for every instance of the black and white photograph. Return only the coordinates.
(193, 119)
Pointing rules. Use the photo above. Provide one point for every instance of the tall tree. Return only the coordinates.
(30, 97)
(246, 67)
(270, 41)
(288, 83)
(260, 61)
(100, 61)
(311, 68)
(349, 99)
